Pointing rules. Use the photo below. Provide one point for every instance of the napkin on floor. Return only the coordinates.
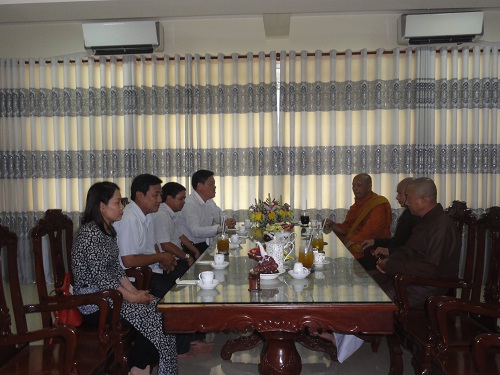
(346, 345)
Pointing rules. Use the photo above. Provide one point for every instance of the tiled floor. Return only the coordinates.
(363, 361)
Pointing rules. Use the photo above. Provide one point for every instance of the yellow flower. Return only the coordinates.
(258, 216)
(272, 215)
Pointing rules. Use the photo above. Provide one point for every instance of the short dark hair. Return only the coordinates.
(171, 189)
(99, 192)
(200, 176)
(141, 183)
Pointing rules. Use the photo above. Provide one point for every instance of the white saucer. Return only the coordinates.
(322, 264)
(299, 277)
(215, 282)
(219, 266)
(271, 276)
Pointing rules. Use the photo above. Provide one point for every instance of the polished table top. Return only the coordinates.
(341, 281)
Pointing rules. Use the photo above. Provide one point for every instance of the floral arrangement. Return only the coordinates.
(270, 211)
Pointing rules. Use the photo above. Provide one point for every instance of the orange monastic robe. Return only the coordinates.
(376, 224)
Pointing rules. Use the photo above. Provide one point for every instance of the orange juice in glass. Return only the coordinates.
(223, 243)
(306, 256)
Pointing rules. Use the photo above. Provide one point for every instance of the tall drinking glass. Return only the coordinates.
(306, 255)
(317, 239)
(304, 218)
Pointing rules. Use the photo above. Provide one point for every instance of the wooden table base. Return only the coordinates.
(279, 354)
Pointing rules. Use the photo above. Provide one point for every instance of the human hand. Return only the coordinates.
(167, 262)
(143, 296)
(381, 264)
(381, 251)
(367, 243)
(230, 223)
(327, 228)
(190, 261)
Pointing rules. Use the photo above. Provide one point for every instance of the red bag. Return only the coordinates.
(72, 316)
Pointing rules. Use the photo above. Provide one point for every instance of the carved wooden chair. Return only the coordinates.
(486, 352)
(411, 326)
(455, 323)
(58, 353)
(110, 342)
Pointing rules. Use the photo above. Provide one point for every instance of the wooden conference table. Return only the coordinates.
(339, 296)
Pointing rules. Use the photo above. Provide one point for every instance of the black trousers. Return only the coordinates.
(143, 351)
(161, 283)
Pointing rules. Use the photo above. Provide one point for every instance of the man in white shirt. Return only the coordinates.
(200, 218)
(167, 234)
(172, 241)
(136, 238)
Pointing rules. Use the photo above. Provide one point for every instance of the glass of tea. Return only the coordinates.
(223, 243)
(306, 255)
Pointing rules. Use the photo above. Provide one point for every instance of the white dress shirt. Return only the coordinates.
(165, 227)
(199, 220)
(135, 234)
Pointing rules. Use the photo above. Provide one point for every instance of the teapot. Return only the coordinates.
(284, 236)
(276, 250)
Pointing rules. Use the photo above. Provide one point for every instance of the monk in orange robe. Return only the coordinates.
(369, 217)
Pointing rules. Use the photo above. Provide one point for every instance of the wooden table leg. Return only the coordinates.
(279, 354)
(239, 344)
(318, 344)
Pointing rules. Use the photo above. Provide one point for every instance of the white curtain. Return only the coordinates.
(298, 125)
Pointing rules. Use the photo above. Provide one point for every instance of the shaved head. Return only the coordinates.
(425, 188)
(403, 184)
(421, 196)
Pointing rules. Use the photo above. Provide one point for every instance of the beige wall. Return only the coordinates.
(226, 35)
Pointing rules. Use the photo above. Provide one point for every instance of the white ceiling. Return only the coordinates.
(28, 11)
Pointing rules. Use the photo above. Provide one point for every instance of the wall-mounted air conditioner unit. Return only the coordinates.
(119, 38)
(438, 28)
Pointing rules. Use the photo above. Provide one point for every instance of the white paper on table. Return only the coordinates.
(186, 282)
(346, 345)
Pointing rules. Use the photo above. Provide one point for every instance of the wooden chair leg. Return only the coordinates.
(395, 354)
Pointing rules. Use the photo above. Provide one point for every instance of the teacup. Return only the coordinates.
(242, 228)
(319, 257)
(248, 223)
(206, 277)
(299, 269)
(235, 238)
(219, 259)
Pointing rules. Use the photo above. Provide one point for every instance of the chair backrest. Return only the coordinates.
(58, 228)
(491, 221)
(467, 225)
(8, 243)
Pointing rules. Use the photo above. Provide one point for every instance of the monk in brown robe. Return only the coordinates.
(369, 217)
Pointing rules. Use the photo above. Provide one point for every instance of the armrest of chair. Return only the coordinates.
(403, 281)
(102, 299)
(484, 343)
(142, 275)
(66, 333)
(439, 308)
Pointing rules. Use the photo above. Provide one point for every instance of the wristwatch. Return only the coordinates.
(187, 256)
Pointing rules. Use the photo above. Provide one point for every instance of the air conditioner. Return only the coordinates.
(120, 38)
(438, 28)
